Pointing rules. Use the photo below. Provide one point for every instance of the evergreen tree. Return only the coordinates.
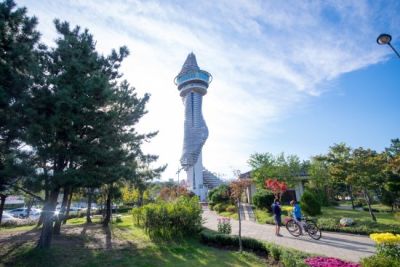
(18, 69)
(69, 111)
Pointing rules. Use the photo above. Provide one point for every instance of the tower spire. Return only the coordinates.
(190, 64)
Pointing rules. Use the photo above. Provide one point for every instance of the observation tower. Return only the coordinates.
(192, 83)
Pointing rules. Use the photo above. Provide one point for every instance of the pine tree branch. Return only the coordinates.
(27, 192)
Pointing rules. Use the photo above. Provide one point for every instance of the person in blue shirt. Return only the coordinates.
(276, 210)
(297, 213)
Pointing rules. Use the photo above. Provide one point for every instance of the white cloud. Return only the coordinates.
(267, 59)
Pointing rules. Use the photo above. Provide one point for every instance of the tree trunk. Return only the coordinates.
(71, 192)
(240, 228)
(46, 199)
(350, 191)
(107, 218)
(89, 206)
(368, 199)
(61, 214)
(47, 230)
(30, 204)
(3, 201)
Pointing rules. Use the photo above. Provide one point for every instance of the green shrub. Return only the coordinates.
(118, 219)
(138, 217)
(289, 261)
(263, 199)
(220, 207)
(290, 257)
(321, 197)
(224, 226)
(219, 194)
(211, 205)
(380, 261)
(276, 253)
(232, 242)
(231, 208)
(165, 220)
(123, 209)
(309, 204)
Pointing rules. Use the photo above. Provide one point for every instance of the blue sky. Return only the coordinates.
(289, 76)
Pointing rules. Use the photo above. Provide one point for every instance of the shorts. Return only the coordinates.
(277, 220)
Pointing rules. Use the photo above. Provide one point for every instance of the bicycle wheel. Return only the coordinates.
(293, 228)
(313, 231)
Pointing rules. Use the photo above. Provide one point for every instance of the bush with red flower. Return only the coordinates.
(329, 262)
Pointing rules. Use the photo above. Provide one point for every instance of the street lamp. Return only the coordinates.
(384, 39)
(179, 170)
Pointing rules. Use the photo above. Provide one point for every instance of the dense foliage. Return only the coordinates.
(228, 241)
(224, 226)
(166, 220)
(284, 168)
(19, 42)
(289, 257)
(219, 194)
(263, 199)
(310, 204)
(380, 261)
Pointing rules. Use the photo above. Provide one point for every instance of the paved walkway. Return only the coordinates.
(344, 246)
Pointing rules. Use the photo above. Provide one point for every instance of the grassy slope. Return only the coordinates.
(141, 252)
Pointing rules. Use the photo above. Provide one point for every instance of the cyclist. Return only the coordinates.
(297, 214)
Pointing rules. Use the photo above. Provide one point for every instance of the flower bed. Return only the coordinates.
(328, 262)
(388, 244)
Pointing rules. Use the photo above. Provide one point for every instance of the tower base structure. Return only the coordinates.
(195, 180)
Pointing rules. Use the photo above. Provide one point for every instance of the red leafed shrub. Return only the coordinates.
(277, 187)
(329, 262)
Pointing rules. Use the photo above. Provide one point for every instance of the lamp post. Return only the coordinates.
(384, 39)
(179, 170)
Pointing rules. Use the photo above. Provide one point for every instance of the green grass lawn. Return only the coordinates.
(361, 216)
(130, 246)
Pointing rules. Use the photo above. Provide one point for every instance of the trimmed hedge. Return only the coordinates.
(289, 257)
(232, 242)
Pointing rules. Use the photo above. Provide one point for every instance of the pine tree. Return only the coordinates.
(69, 113)
(18, 69)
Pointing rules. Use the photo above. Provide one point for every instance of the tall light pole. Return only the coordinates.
(384, 39)
(179, 170)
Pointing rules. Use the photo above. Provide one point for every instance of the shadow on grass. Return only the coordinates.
(93, 245)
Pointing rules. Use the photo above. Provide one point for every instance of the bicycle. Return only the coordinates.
(309, 226)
